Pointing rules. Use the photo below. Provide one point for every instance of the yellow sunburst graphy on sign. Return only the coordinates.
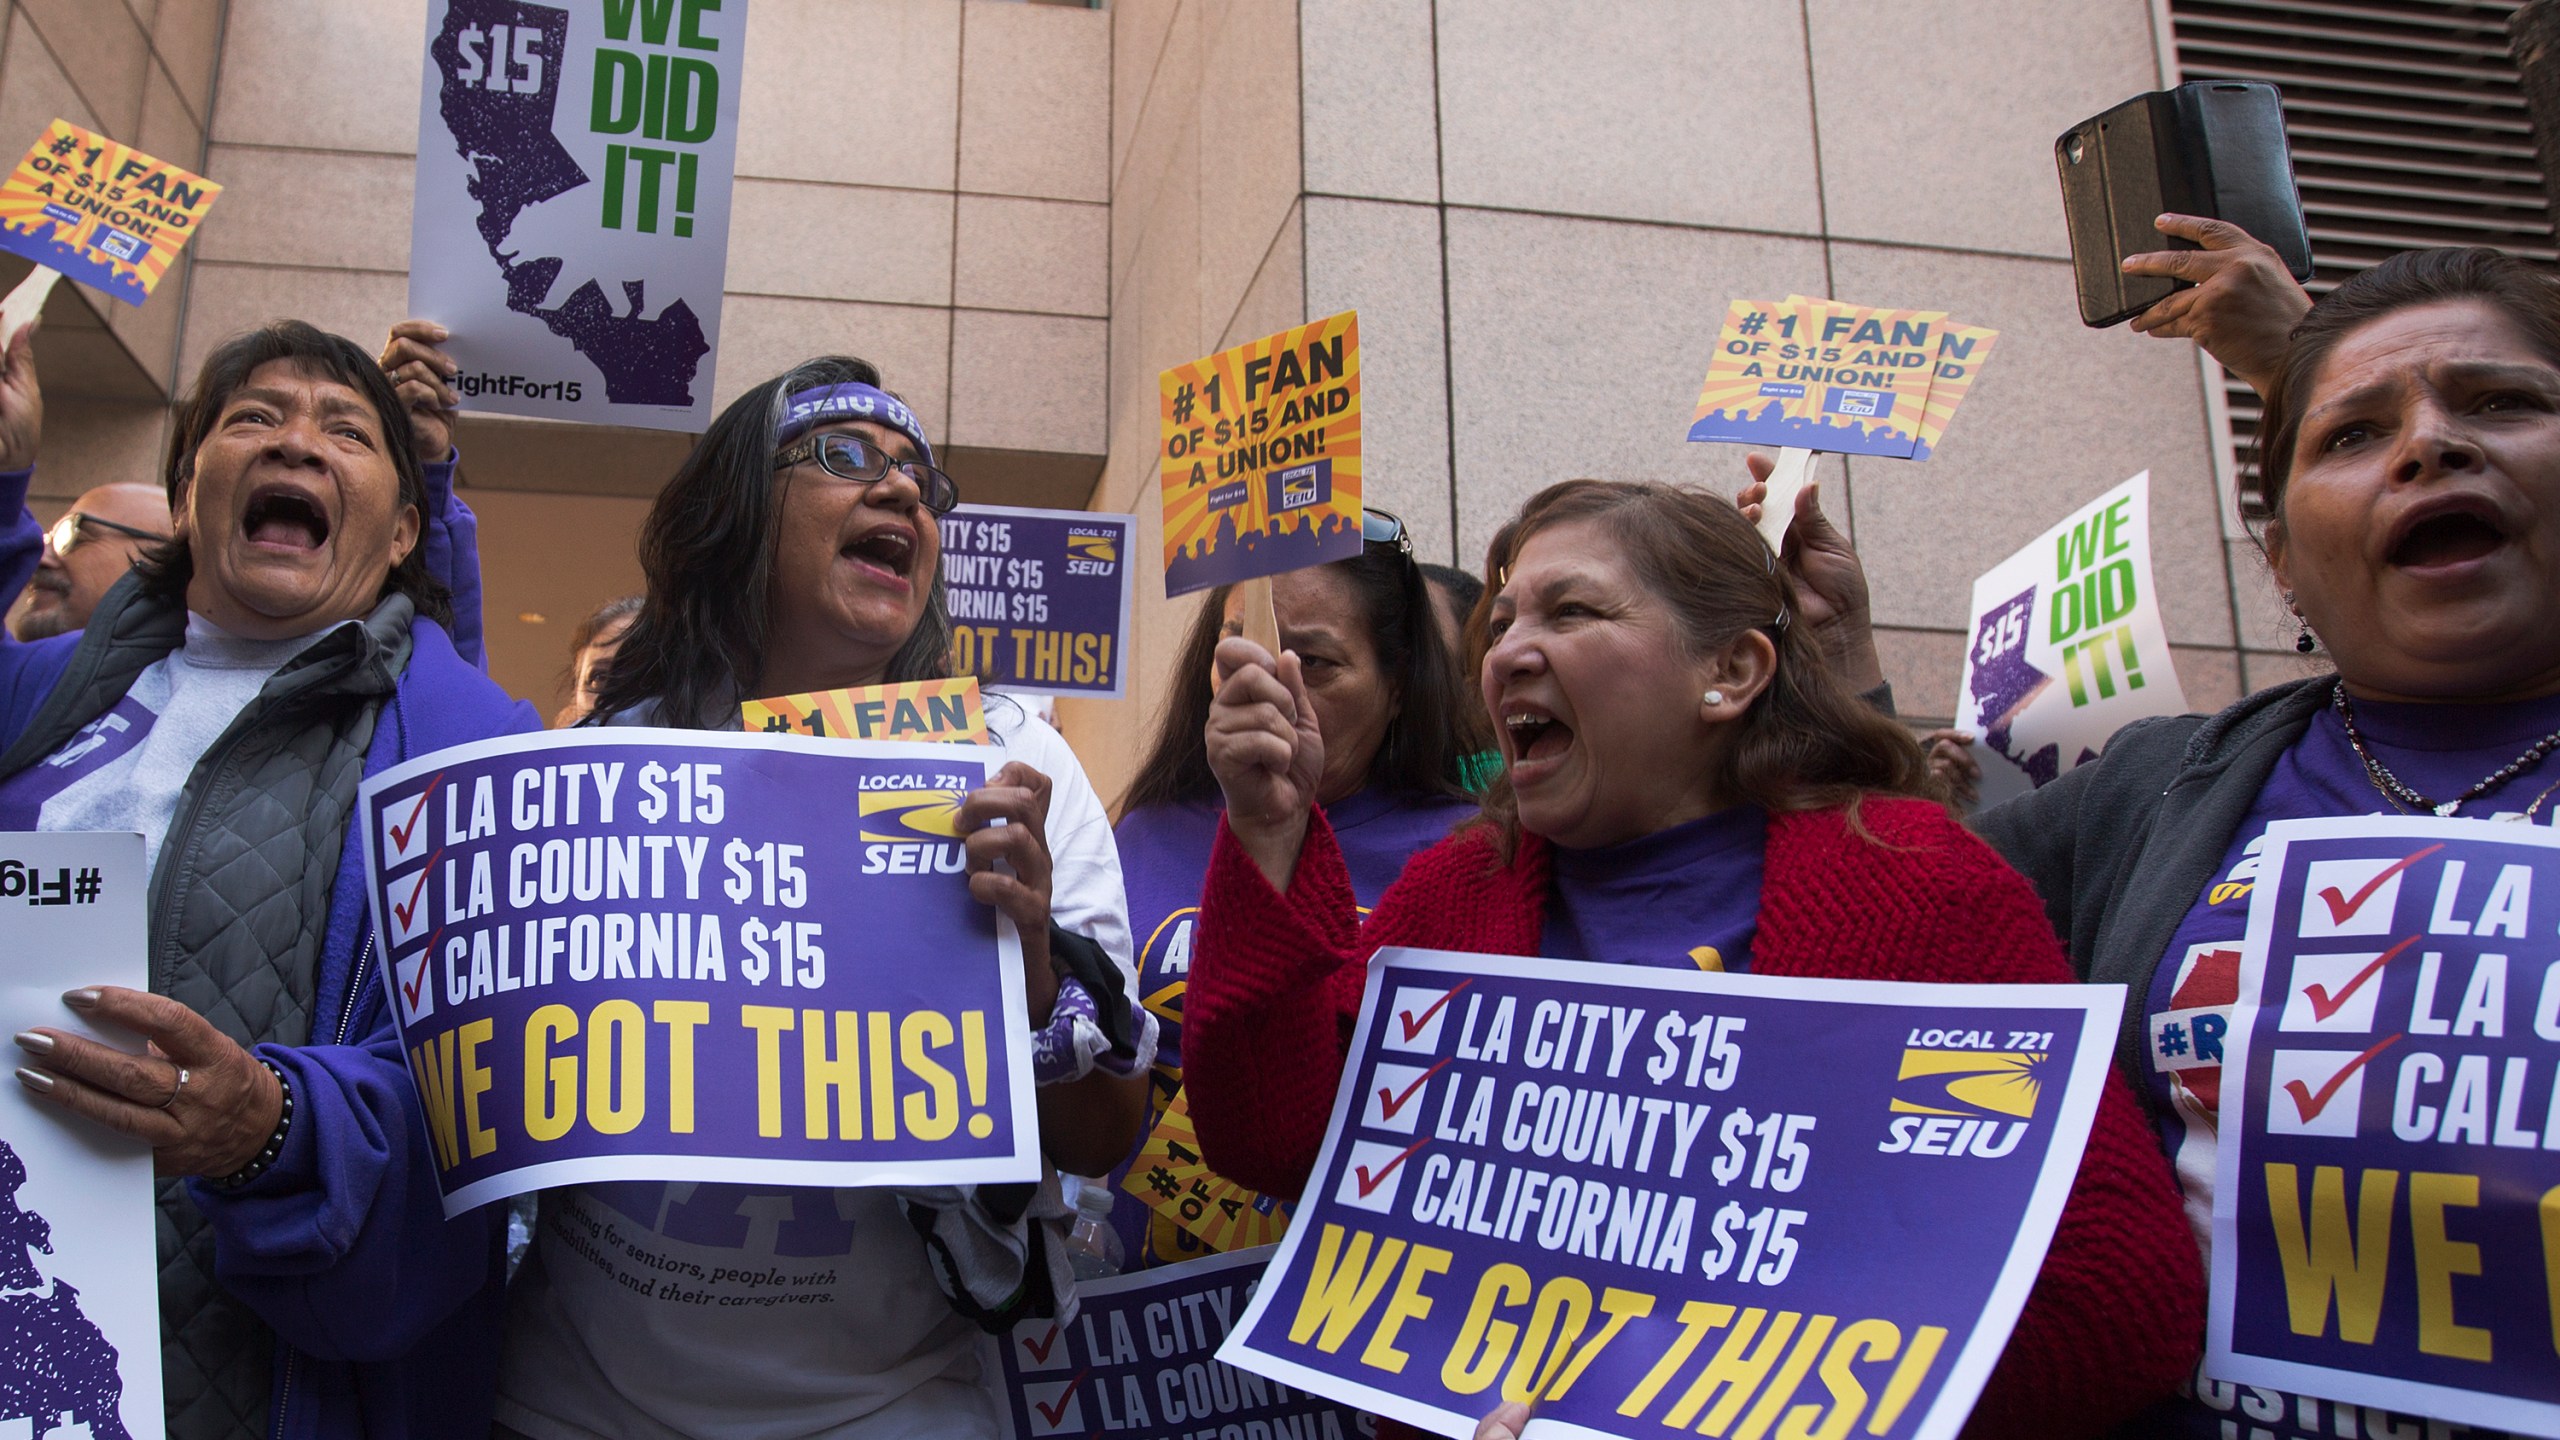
(1971, 1082)
(101, 212)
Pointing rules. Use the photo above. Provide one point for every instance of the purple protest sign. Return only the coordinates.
(662, 955)
(1039, 598)
(1140, 1358)
(2386, 1204)
(1637, 1195)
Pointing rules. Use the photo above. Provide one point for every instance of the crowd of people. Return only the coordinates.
(1639, 736)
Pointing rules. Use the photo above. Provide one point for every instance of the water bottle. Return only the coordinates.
(1093, 1247)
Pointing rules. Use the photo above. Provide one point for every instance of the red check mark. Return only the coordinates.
(2323, 1005)
(1413, 1024)
(1049, 1412)
(2342, 906)
(1041, 1347)
(426, 967)
(2308, 1103)
(401, 912)
(1389, 1104)
(1368, 1182)
(400, 833)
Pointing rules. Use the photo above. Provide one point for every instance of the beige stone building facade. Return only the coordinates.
(1024, 211)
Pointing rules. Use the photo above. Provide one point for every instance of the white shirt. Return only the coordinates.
(688, 1311)
(182, 703)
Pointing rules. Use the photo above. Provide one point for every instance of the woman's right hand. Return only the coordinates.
(1266, 752)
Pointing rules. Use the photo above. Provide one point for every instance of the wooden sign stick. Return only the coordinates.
(25, 302)
(1261, 621)
(1778, 507)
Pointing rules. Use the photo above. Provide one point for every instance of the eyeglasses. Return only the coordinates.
(850, 457)
(1377, 527)
(67, 532)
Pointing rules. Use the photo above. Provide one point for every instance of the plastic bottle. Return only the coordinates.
(1093, 1247)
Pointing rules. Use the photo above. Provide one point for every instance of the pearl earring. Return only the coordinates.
(1714, 697)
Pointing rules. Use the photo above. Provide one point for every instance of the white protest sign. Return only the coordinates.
(2066, 645)
(572, 216)
(79, 1279)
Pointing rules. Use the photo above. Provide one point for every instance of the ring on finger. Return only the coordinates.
(176, 1088)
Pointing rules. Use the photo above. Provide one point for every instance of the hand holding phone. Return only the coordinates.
(2242, 306)
(2213, 149)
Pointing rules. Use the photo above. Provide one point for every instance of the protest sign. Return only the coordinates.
(1260, 468)
(1176, 1183)
(1962, 352)
(102, 213)
(1039, 598)
(1636, 1195)
(79, 1288)
(1819, 375)
(946, 711)
(1140, 1359)
(2386, 1203)
(2066, 646)
(689, 955)
(571, 225)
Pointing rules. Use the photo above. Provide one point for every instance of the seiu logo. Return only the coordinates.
(1300, 486)
(910, 815)
(1092, 552)
(122, 246)
(1966, 1095)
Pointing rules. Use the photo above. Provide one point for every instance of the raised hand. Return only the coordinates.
(21, 402)
(1826, 583)
(2244, 304)
(1266, 751)
(423, 375)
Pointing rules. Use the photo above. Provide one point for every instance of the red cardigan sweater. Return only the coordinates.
(2116, 1319)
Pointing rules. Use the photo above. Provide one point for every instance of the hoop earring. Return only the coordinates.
(1713, 697)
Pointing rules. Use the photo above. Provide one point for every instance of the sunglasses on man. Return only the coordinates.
(75, 526)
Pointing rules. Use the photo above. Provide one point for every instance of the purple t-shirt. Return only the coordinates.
(1164, 856)
(2438, 751)
(1683, 897)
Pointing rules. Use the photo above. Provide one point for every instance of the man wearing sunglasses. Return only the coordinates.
(89, 549)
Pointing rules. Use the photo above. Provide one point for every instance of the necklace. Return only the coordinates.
(2400, 794)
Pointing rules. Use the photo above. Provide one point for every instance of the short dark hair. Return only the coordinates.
(2523, 293)
(1437, 724)
(1462, 587)
(697, 648)
(1806, 743)
(167, 568)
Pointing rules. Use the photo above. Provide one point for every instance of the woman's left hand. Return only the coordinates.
(203, 1104)
(1505, 1423)
(1019, 796)
(1825, 579)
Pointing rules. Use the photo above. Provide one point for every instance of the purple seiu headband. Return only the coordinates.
(806, 410)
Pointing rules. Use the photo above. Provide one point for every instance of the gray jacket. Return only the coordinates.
(2121, 847)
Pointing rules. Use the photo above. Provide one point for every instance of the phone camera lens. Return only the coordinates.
(2075, 149)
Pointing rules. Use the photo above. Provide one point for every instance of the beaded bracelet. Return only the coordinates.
(274, 1147)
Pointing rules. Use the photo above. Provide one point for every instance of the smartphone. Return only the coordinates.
(2214, 147)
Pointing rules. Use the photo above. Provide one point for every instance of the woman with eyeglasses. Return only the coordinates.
(798, 549)
(1380, 673)
(1687, 783)
(85, 553)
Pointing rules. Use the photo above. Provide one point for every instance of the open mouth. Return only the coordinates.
(890, 547)
(2448, 537)
(1536, 735)
(283, 516)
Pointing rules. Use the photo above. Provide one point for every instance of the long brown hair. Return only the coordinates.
(1806, 743)
(1436, 726)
